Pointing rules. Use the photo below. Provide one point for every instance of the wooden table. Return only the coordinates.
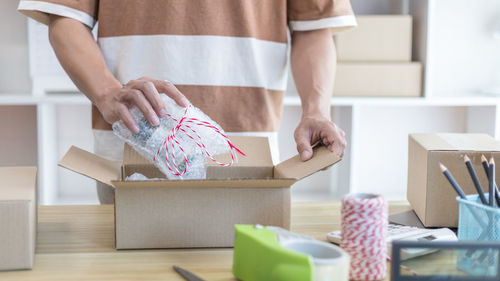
(77, 243)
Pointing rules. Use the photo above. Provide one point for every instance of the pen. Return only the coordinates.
(452, 181)
(486, 167)
(475, 180)
(462, 195)
(491, 179)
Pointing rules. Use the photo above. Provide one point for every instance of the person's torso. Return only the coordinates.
(228, 57)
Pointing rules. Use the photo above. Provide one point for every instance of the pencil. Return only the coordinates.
(486, 167)
(462, 195)
(452, 181)
(491, 179)
(475, 180)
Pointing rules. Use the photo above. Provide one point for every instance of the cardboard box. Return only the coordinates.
(377, 38)
(429, 192)
(198, 213)
(18, 217)
(378, 79)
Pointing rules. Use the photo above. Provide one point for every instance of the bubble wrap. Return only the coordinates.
(140, 177)
(149, 142)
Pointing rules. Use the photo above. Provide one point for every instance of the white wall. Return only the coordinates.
(464, 47)
(14, 65)
(381, 162)
(74, 128)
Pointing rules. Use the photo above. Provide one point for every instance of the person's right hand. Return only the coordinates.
(144, 92)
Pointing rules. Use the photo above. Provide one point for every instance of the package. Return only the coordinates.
(429, 192)
(198, 213)
(179, 146)
(377, 38)
(378, 79)
(18, 217)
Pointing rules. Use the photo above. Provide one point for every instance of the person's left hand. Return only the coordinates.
(319, 128)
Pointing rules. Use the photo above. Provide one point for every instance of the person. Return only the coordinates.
(229, 58)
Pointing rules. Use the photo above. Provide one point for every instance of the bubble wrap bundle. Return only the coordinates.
(182, 142)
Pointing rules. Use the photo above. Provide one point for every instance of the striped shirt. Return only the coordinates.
(228, 57)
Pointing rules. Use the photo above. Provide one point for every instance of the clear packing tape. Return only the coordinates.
(180, 146)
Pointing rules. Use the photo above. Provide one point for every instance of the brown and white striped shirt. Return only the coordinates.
(229, 57)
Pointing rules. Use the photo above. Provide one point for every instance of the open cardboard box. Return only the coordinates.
(198, 213)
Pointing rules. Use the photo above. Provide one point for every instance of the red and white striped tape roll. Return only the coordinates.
(364, 232)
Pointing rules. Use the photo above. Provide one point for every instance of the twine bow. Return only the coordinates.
(185, 125)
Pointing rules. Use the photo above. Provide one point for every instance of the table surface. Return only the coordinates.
(77, 243)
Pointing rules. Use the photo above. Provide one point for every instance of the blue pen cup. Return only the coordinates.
(476, 222)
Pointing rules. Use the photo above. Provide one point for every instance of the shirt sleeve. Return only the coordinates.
(84, 11)
(306, 15)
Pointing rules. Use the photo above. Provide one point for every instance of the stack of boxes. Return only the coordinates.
(374, 59)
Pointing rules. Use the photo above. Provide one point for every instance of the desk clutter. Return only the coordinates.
(440, 167)
(232, 202)
(479, 218)
(427, 190)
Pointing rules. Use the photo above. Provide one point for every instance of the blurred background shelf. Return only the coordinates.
(421, 101)
(42, 114)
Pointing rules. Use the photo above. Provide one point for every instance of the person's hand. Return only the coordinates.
(318, 128)
(144, 93)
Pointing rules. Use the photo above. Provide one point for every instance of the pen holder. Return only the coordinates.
(477, 222)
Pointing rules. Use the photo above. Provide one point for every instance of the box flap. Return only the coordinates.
(229, 183)
(449, 141)
(298, 169)
(91, 165)
(18, 183)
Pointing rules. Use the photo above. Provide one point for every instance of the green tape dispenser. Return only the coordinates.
(271, 253)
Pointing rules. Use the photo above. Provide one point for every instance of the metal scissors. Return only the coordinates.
(186, 274)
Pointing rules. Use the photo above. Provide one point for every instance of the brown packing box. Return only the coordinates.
(198, 213)
(429, 192)
(378, 79)
(18, 217)
(377, 38)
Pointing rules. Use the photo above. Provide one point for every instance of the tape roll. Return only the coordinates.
(364, 232)
(331, 263)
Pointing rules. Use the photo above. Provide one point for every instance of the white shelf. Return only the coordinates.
(78, 98)
(71, 98)
(402, 101)
(17, 99)
(23, 99)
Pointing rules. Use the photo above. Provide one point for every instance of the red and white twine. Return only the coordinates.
(187, 125)
(364, 232)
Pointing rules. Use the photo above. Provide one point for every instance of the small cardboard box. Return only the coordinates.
(378, 79)
(198, 213)
(429, 192)
(377, 38)
(18, 217)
